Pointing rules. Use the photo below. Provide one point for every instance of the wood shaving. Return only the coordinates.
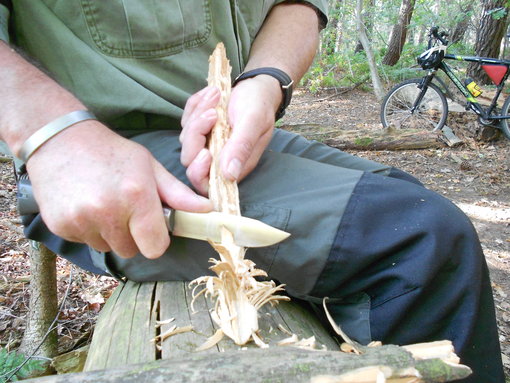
(338, 330)
(174, 330)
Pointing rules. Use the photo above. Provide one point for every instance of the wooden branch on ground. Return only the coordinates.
(337, 91)
(280, 364)
(364, 139)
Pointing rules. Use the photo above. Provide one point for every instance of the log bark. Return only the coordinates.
(279, 364)
(399, 140)
(392, 139)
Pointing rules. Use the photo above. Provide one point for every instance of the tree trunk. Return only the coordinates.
(368, 21)
(399, 33)
(376, 81)
(488, 37)
(43, 303)
(280, 364)
(460, 29)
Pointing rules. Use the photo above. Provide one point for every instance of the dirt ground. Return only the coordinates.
(475, 176)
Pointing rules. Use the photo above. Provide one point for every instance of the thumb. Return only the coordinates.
(176, 194)
(237, 151)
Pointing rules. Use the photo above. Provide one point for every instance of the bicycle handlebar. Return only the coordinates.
(434, 33)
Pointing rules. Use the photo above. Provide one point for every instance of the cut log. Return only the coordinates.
(278, 365)
(127, 324)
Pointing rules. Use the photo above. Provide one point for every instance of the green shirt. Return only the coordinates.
(134, 63)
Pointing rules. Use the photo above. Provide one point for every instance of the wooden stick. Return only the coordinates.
(223, 193)
(237, 292)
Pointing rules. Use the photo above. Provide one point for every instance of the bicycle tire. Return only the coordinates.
(504, 123)
(398, 102)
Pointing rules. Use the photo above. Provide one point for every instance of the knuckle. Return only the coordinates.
(245, 148)
(132, 190)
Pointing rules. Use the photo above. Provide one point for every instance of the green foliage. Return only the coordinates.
(341, 69)
(9, 361)
(498, 13)
(338, 65)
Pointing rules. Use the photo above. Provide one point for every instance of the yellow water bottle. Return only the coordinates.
(473, 87)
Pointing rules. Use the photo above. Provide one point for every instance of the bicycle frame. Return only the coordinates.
(474, 105)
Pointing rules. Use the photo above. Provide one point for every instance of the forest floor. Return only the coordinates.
(475, 176)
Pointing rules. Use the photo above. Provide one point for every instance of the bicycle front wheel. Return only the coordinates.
(397, 107)
(504, 122)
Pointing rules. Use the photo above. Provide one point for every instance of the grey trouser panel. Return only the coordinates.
(4, 24)
(299, 186)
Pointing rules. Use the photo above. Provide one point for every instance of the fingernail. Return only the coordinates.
(204, 201)
(234, 168)
(209, 114)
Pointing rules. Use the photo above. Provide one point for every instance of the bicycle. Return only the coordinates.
(419, 103)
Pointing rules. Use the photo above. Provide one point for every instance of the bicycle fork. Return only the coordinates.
(424, 87)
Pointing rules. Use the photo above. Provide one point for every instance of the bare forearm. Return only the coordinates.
(288, 40)
(29, 100)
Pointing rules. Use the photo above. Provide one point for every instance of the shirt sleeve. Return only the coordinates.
(4, 24)
(320, 6)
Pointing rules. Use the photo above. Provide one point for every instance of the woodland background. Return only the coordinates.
(367, 47)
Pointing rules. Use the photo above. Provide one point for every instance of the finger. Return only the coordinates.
(119, 240)
(192, 103)
(257, 152)
(176, 194)
(96, 242)
(198, 103)
(239, 149)
(198, 171)
(149, 231)
(195, 138)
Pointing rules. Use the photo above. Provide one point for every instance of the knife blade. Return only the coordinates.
(247, 232)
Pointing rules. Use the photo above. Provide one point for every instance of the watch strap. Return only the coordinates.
(283, 78)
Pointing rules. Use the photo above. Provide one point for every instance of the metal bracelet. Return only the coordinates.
(36, 140)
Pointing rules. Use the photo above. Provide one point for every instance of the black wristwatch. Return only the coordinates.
(285, 83)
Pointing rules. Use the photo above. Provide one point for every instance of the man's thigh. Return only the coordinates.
(294, 193)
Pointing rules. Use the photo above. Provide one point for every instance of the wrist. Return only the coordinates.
(50, 130)
(276, 77)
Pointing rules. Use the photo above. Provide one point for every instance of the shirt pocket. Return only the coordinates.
(140, 29)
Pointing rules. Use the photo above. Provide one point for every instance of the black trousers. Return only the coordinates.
(425, 276)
